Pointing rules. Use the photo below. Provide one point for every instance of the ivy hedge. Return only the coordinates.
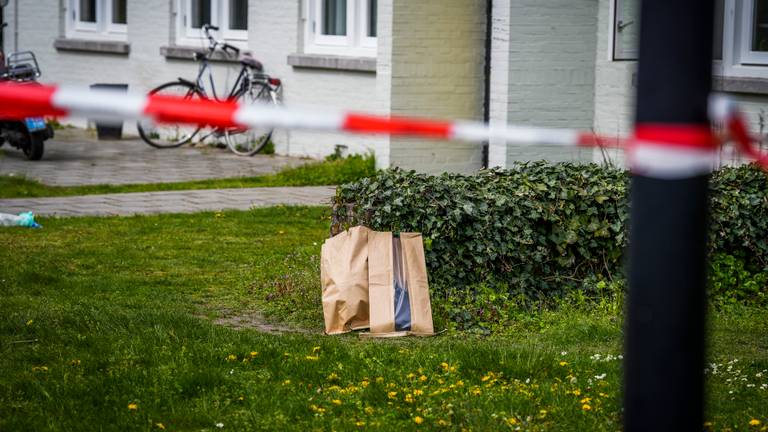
(540, 229)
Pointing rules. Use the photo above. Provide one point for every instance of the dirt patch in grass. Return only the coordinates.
(254, 320)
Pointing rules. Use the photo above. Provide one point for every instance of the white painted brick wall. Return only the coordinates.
(543, 72)
(436, 64)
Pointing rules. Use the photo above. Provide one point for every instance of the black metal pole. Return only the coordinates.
(665, 328)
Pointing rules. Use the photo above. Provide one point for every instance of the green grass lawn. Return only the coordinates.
(329, 172)
(108, 324)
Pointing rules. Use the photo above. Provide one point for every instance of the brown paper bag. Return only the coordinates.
(398, 289)
(344, 278)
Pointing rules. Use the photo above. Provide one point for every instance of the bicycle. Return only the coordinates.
(251, 86)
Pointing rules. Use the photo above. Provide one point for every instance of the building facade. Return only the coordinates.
(555, 63)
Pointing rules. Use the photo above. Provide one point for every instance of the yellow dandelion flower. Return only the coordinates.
(336, 402)
(452, 369)
(754, 422)
(586, 400)
(132, 406)
(576, 392)
(418, 420)
(286, 382)
(369, 410)
(360, 424)
(364, 383)
(379, 380)
(392, 394)
(160, 426)
(459, 383)
(418, 392)
(231, 357)
(315, 350)
(254, 353)
(409, 398)
(241, 398)
(312, 358)
(29, 323)
(444, 365)
(563, 363)
(476, 391)
(442, 422)
(603, 394)
(423, 378)
(586, 407)
(410, 375)
(543, 412)
(511, 421)
(332, 377)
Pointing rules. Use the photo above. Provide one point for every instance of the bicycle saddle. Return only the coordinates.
(248, 60)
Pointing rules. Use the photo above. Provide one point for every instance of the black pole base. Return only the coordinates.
(665, 323)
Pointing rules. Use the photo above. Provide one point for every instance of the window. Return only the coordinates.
(231, 16)
(744, 38)
(753, 32)
(97, 19)
(626, 29)
(342, 27)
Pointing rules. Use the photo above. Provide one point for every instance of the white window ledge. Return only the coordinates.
(96, 46)
(332, 62)
(187, 53)
(740, 85)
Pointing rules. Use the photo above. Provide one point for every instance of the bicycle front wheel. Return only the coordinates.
(169, 135)
(248, 142)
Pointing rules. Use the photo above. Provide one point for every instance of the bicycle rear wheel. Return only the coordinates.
(248, 142)
(169, 135)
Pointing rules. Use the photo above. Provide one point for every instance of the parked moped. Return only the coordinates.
(30, 134)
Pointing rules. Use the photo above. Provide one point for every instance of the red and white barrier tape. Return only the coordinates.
(662, 151)
(20, 101)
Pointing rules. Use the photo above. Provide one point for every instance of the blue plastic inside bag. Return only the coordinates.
(402, 300)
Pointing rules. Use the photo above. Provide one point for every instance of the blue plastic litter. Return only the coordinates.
(26, 219)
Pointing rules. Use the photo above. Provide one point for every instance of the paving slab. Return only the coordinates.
(129, 204)
(75, 157)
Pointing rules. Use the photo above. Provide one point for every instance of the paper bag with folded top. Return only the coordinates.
(344, 277)
(398, 290)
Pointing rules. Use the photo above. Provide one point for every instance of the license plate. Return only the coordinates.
(34, 124)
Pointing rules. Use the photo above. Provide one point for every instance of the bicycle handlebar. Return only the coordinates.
(213, 42)
(225, 46)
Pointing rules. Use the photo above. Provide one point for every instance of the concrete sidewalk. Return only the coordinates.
(188, 201)
(75, 157)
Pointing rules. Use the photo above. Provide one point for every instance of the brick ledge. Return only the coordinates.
(740, 85)
(97, 46)
(332, 62)
(180, 52)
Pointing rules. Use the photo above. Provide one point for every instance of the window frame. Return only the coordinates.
(365, 40)
(111, 26)
(227, 32)
(186, 35)
(102, 29)
(746, 30)
(356, 42)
